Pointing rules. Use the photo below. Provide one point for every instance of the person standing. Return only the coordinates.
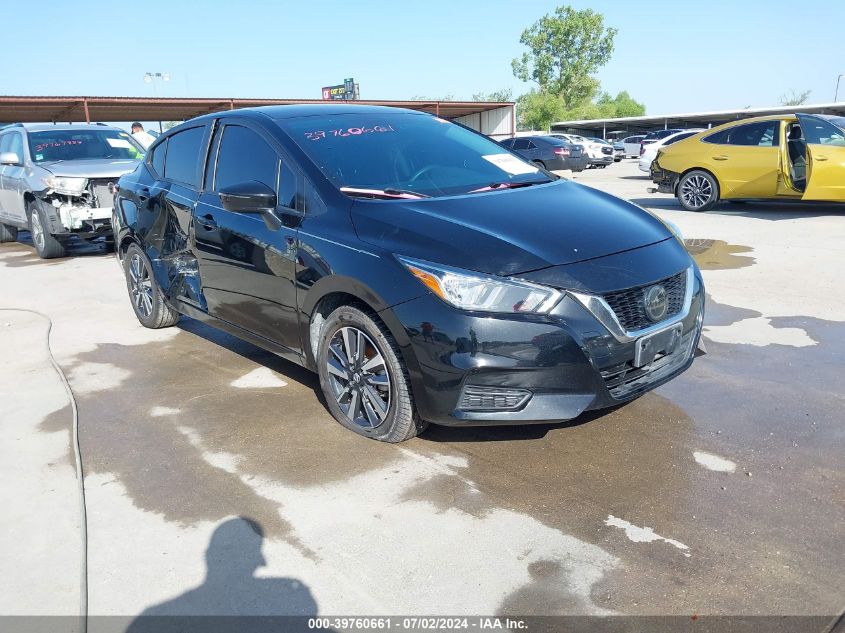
(141, 136)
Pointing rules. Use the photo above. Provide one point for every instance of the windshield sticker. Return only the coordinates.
(317, 135)
(39, 157)
(64, 143)
(510, 164)
(119, 142)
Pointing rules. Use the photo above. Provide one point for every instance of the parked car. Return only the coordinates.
(54, 181)
(618, 151)
(426, 273)
(548, 152)
(632, 145)
(798, 157)
(653, 137)
(599, 154)
(606, 144)
(652, 149)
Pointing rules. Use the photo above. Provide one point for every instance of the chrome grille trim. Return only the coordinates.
(599, 308)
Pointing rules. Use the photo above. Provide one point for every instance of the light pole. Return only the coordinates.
(151, 78)
(836, 94)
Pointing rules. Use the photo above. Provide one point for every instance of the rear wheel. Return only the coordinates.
(146, 296)
(46, 244)
(698, 191)
(8, 233)
(539, 164)
(363, 378)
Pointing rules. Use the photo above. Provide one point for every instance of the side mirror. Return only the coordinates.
(248, 197)
(10, 158)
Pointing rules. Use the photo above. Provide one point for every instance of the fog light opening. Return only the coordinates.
(475, 398)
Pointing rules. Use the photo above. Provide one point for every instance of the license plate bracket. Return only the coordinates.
(664, 341)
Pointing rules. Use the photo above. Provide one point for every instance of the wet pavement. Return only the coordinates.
(722, 492)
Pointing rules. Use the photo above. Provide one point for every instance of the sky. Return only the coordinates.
(672, 56)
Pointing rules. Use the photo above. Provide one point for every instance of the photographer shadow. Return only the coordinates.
(232, 598)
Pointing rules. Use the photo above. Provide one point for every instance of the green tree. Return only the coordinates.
(565, 49)
(537, 110)
(794, 98)
(505, 94)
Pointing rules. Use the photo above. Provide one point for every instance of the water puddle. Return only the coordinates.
(718, 254)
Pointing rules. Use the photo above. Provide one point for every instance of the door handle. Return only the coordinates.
(208, 221)
(720, 157)
(820, 158)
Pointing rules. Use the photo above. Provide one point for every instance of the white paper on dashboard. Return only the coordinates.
(510, 164)
(119, 142)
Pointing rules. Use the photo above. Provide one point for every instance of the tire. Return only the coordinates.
(380, 399)
(144, 293)
(539, 164)
(46, 244)
(8, 233)
(698, 191)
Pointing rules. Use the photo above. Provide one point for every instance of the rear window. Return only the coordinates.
(405, 151)
(82, 144)
(183, 156)
(760, 134)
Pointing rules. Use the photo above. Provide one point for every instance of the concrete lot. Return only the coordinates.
(722, 492)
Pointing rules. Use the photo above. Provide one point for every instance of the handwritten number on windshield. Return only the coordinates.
(317, 135)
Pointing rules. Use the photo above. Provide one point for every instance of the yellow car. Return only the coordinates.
(798, 157)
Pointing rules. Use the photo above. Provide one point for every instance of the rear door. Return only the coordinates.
(745, 159)
(825, 159)
(246, 260)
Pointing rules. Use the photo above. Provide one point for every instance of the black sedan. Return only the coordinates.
(549, 152)
(426, 273)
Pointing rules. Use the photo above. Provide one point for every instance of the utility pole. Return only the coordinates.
(836, 94)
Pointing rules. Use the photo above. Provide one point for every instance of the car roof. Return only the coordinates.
(318, 109)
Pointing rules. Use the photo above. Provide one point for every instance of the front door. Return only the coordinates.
(825, 159)
(12, 204)
(246, 260)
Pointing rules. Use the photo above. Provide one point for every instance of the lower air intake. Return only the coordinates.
(492, 398)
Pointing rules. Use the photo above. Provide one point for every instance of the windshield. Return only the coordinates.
(405, 152)
(82, 144)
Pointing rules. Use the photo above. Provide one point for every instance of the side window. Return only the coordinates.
(287, 187)
(157, 159)
(12, 142)
(184, 152)
(508, 142)
(531, 145)
(818, 132)
(245, 156)
(760, 134)
(520, 143)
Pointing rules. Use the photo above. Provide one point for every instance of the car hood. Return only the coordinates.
(91, 168)
(508, 232)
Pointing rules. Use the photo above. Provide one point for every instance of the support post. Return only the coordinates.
(85, 107)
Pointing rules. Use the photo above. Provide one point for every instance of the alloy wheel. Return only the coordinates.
(359, 377)
(696, 191)
(140, 286)
(37, 231)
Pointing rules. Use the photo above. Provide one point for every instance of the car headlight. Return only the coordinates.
(66, 185)
(473, 291)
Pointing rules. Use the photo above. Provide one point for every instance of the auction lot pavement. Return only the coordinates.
(217, 483)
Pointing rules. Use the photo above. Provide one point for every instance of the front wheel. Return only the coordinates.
(46, 244)
(146, 296)
(363, 378)
(698, 191)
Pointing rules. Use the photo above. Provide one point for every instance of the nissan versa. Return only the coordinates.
(424, 271)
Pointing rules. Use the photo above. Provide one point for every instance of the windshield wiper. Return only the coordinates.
(493, 186)
(400, 194)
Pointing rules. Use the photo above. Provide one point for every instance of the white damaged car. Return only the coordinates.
(57, 181)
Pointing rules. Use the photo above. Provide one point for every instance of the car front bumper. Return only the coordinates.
(604, 159)
(549, 368)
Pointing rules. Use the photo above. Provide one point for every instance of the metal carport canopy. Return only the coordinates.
(690, 119)
(29, 109)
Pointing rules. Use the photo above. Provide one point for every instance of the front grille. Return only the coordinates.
(607, 150)
(628, 305)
